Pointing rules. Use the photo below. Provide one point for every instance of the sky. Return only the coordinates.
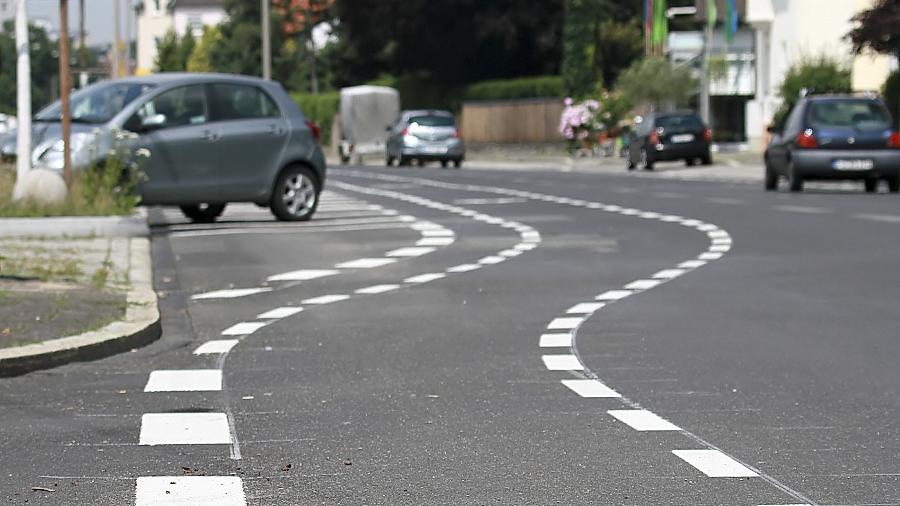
(98, 16)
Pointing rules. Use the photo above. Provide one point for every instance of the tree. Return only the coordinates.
(199, 60)
(876, 29)
(186, 47)
(168, 53)
(655, 82)
(891, 93)
(821, 75)
(44, 67)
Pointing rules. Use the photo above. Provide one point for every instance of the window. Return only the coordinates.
(180, 107)
(97, 104)
(432, 120)
(195, 24)
(848, 114)
(680, 122)
(241, 101)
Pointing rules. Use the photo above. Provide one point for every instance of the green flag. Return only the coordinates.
(660, 22)
(712, 13)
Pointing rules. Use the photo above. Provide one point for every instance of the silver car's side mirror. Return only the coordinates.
(153, 122)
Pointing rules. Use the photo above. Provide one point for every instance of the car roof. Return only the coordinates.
(685, 112)
(188, 77)
(432, 112)
(842, 96)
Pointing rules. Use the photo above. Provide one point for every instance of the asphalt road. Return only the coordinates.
(494, 337)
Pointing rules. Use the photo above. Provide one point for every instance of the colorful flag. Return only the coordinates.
(712, 13)
(660, 22)
(731, 21)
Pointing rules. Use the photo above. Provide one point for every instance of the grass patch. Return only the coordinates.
(41, 269)
(106, 189)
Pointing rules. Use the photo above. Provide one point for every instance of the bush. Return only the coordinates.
(524, 87)
(891, 92)
(320, 109)
(819, 75)
(656, 82)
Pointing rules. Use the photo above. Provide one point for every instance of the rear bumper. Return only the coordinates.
(819, 164)
(455, 151)
(678, 151)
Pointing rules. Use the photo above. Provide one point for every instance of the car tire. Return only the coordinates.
(796, 181)
(457, 163)
(296, 194)
(203, 213)
(706, 159)
(629, 165)
(444, 164)
(389, 161)
(690, 162)
(402, 161)
(871, 185)
(771, 178)
(894, 184)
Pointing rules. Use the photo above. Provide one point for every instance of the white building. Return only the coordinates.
(157, 17)
(786, 31)
(7, 11)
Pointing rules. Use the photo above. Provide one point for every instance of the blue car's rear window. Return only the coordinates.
(848, 114)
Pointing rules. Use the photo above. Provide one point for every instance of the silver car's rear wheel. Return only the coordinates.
(296, 195)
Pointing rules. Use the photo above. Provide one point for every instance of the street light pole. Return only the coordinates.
(704, 74)
(266, 21)
(117, 41)
(23, 93)
(65, 85)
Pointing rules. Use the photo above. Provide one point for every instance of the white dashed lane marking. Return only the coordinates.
(669, 274)
(376, 289)
(802, 209)
(410, 252)
(216, 347)
(464, 268)
(189, 380)
(643, 420)
(424, 278)
(555, 340)
(643, 284)
(590, 388)
(564, 323)
(189, 490)
(715, 464)
(243, 328)
(562, 363)
(883, 218)
(230, 294)
(184, 429)
(435, 241)
(280, 312)
(585, 307)
(365, 263)
(303, 275)
(326, 299)
(613, 295)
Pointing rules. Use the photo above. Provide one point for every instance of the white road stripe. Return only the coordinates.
(669, 274)
(642, 420)
(562, 363)
(424, 278)
(802, 209)
(216, 346)
(435, 241)
(365, 263)
(715, 464)
(372, 290)
(613, 295)
(590, 388)
(643, 284)
(303, 275)
(243, 328)
(585, 307)
(441, 232)
(710, 256)
(464, 268)
(556, 340)
(720, 248)
(692, 264)
(410, 252)
(491, 260)
(189, 380)
(190, 490)
(326, 299)
(564, 323)
(230, 294)
(184, 429)
(280, 312)
(884, 218)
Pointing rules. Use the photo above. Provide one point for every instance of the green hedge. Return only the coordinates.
(320, 109)
(891, 92)
(524, 87)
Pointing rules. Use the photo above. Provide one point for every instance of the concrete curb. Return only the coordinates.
(140, 326)
(77, 226)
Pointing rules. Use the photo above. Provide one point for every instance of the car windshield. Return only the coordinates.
(845, 114)
(97, 104)
(432, 120)
(682, 122)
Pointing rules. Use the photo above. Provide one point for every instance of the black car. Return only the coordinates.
(679, 135)
(835, 137)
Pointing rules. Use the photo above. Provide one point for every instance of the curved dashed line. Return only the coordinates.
(720, 243)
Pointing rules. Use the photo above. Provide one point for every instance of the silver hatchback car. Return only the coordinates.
(212, 139)
(425, 135)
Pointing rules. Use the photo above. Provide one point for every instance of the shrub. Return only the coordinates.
(821, 74)
(656, 82)
(891, 92)
(320, 109)
(524, 87)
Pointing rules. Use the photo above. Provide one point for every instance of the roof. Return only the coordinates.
(170, 77)
(433, 112)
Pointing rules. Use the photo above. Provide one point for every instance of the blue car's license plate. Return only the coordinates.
(853, 164)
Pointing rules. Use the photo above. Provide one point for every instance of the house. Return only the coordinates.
(157, 17)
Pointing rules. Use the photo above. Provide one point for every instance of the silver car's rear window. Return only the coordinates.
(432, 121)
(855, 114)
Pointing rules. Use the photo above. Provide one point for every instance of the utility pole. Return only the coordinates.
(266, 21)
(704, 74)
(23, 93)
(82, 57)
(117, 40)
(65, 86)
(129, 19)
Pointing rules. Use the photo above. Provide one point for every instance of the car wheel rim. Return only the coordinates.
(299, 195)
(643, 158)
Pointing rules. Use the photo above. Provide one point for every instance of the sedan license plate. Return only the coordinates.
(435, 150)
(853, 164)
(681, 139)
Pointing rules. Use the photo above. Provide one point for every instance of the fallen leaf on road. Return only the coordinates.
(286, 467)
(348, 462)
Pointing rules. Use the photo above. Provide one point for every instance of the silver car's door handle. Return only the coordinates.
(276, 130)
(210, 136)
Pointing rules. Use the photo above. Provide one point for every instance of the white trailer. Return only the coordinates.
(367, 112)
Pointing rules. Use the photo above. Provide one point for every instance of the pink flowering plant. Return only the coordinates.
(580, 121)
